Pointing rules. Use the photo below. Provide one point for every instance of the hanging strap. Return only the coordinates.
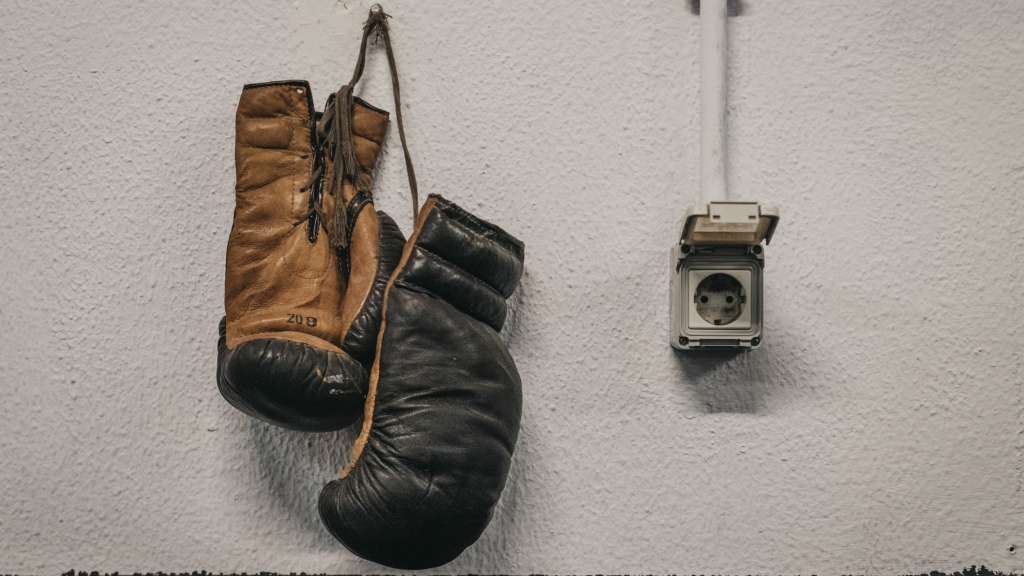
(398, 108)
(335, 130)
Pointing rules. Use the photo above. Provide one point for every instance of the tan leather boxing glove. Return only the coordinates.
(307, 261)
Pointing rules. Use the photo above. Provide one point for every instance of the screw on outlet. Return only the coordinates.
(755, 341)
(683, 341)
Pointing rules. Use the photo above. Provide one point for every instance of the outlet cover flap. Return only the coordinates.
(742, 223)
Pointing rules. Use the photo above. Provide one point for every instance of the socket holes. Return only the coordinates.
(719, 299)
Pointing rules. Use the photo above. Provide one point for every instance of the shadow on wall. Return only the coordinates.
(734, 381)
(294, 466)
(494, 550)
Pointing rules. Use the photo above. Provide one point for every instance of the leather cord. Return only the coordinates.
(377, 24)
(335, 139)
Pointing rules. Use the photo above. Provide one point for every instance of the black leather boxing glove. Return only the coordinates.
(444, 400)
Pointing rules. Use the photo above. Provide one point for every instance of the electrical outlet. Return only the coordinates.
(717, 296)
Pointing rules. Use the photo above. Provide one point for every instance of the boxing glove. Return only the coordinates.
(307, 261)
(444, 399)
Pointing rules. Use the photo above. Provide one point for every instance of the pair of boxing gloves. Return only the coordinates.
(331, 313)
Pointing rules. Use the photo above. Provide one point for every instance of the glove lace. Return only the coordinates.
(334, 140)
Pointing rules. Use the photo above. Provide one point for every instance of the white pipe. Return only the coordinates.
(713, 18)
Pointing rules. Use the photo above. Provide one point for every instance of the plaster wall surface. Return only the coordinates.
(878, 430)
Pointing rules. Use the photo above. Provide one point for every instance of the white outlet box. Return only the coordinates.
(717, 296)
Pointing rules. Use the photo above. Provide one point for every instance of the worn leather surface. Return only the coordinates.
(361, 340)
(442, 414)
(293, 318)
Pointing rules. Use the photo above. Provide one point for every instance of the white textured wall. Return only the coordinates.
(878, 430)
